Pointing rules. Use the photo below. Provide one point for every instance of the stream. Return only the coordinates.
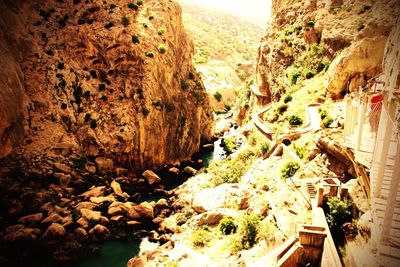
(116, 253)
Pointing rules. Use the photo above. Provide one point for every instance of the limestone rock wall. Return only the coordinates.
(103, 79)
(336, 26)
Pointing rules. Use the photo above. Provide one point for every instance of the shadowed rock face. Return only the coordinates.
(75, 77)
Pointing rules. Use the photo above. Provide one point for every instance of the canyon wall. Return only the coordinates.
(100, 79)
(345, 39)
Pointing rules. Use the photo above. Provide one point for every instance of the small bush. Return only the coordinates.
(198, 95)
(135, 39)
(125, 21)
(151, 17)
(287, 99)
(227, 226)
(191, 75)
(184, 84)
(133, 6)
(264, 147)
(169, 107)
(218, 96)
(93, 124)
(249, 230)
(282, 108)
(294, 75)
(161, 31)
(60, 66)
(309, 74)
(108, 25)
(327, 121)
(295, 120)
(162, 49)
(150, 54)
(145, 111)
(63, 106)
(230, 144)
(87, 117)
(112, 6)
(289, 169)
(339, 212)
(102, 87)
(139, 2)
(200, 238)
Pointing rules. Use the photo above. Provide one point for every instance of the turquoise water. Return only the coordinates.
(112, 254)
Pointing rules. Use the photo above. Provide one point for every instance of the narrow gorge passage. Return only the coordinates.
(199, 133)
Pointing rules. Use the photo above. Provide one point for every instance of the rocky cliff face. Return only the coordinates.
(305, 37)
(103, 79)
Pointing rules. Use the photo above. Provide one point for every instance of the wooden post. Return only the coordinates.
(320, 196)
(361, 116)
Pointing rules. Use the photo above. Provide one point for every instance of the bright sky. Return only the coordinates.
(256, 11)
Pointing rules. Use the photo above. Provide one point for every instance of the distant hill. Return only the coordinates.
(220, 36)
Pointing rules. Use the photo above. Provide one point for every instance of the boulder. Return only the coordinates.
(138, 261)
(151, 177)
(55, 230)
(222, 196)
(53, 218)
(86, 205)
(116, 187)
(94, 192)
(143, 211)
(63, 179)
(104, 165)
(170, 225)
(100, 232)
(174, 170)
(189, 170)
(212, 217)
(21, 234)
(62, 167)
(81, 233)
(118, 208)
(31, 219)
(100, 200)
(91, 215)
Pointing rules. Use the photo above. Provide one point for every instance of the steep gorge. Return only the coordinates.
(100, 79)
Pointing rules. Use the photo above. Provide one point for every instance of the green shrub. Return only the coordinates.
(264, 147)
(295, 120)
(218, 96)
(139, 2)
(162, 49)
(294, 74)
(287, 99)
(149, 54)
(112, 6)
(282, 108)
(157, 103)
(108, 25)
(133, 6)
(339, 212)
(311, 24)
(309, 74)
(198, 95)
(151, 17)
(230, 144)
(227, 226)
(135, 39)
(227, 107)
(289, 169)
(169, 107)
(200, 238)
(300, 151)
(145, 111)
(161, 31)
(327, 121)
(93, 124)
(184, 84)
(249, 230)
(125, 21)
(191, 75)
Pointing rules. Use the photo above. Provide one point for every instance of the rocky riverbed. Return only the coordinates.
(59, 207)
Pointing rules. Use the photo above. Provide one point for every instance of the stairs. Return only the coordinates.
(311, 190)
